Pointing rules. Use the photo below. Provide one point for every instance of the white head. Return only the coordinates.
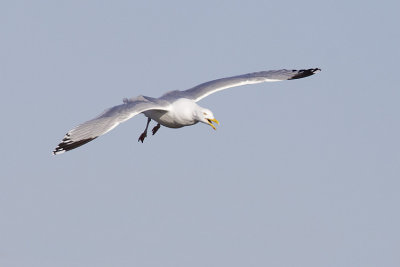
(206, 116)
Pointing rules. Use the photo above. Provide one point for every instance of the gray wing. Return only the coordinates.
(200, 91)
(107, 121)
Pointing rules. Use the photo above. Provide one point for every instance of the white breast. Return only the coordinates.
(182, 113)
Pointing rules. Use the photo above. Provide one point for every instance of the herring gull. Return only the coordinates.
(174, 109)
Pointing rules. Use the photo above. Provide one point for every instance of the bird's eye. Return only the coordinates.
(204, 113)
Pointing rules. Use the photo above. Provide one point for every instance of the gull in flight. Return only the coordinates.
(174, 109)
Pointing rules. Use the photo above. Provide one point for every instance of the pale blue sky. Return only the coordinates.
(299, 173)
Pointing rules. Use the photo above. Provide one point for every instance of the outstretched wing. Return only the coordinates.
(107, 121)
(200, 91)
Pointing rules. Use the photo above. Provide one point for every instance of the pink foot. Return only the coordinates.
(155, 129)
(142, 137)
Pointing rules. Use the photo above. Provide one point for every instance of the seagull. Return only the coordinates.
(174, 109)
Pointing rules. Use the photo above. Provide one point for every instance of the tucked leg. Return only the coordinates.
(155, 129)
(144, 134)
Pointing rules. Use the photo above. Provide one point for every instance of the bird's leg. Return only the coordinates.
(144, 134)
(155, 129)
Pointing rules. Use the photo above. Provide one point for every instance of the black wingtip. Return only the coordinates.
(67, 144)
(304, 73)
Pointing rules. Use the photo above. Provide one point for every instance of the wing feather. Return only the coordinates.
(200, 91)
(107, 121)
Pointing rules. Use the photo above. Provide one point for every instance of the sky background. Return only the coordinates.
(299, 173)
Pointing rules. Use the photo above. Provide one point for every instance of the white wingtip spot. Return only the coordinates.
(56, 152)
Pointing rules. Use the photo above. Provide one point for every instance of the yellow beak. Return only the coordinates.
(210, 123)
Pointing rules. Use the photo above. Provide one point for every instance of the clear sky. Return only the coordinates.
(299, 173)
